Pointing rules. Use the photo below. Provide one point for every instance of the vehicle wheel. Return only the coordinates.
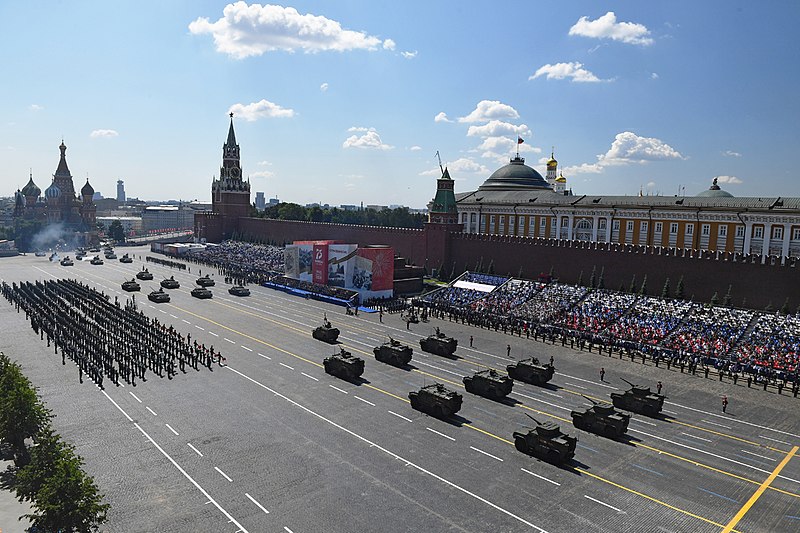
(521, 445)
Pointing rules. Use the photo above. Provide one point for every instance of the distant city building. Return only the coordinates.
(261, 202)
(121, 191)
(273, 201)
(97, 196)
(163, 217)
(349, 207)
(376, 207)
(129, 224)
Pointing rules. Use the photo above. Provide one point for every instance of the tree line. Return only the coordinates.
(400, 217)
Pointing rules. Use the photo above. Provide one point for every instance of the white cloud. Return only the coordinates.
(359, 128)
(651, 184)
(262, 174)
(264, 163)
(628, 148)
(488, 110)
(36, 107)
(733, 180)
(441, 117)
(653, 75)
(731, 153)
(409, 55)
(607, 27)
(459, 166)
(415, 148)
(371, 140)
(252, 30)
(506, 144)
(323, 87)
(96, 134)
(261, 109)
(559, 71)
(498, 128)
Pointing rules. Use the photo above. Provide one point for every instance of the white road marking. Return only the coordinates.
(337, 388)
(400, 416)
(246, 348)
(729, 419)
(184, 320)
(541, 477)
(309, 377)
(715, 424)
(587, 381)
(121, 410)
(151, 411)
(670, 412)
(440, 369)
(776, 440)
(380, 448)
(198, 327)
(230, 341)
(189, 444)
(287, 366)
(762, 456)
(173, 316)
(255, 502)
(172, 430)
(213, 333)
(265, 356)
(162, 311)
(542, 401)
(643, 422)
(441, 434)
(486, 453)
(573, 385)
(136, 397)
(287, 529)
(223, 474)
(363, 400)
(604, 503)
(696, 437)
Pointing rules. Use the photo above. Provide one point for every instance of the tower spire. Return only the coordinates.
(231, 135)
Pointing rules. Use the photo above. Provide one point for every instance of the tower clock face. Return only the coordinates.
(235, 172)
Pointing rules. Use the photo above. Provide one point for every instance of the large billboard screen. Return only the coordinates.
(373, 269)
(320, 267)
(340, 264)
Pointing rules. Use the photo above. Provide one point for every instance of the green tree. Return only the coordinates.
(48, 451)
(592, 277)
(490, 270)
(727, 299)
(22, 414)
(665, 292)
(116, 231)
(601, 284)
(580, 279)
(632, 287)
(679, 289)
(714, 299)
(290, 211)
(643, 288)
(785, 307)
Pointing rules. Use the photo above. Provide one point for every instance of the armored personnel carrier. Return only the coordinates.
(439, 344)
(202, 293)
(126, 259)
(344, 365)
(131, 286)
(170, 283)
(531, 371)
(638, 399)
(393, 352)
(436, 400)
(67, 262)
(158, 296)
(96, 260)
(144, 274)
(239, 290)
(325, 332)
(547, 442)
(205, 281)
(603, 419)
(489, 383)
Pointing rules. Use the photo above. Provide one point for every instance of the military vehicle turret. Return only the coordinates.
(344, 365)
(205, 281)
(393, 352)
(131, 286)
(325, 332)
(202, 293)
(126, 259)
(94, 250)
(489, 383)
(546, 441)
(603, 419)
(144, 274)
(239, 290)
(67, 262)
(158, 296)
(439, 344)
(170, 283)
(531, 371)
(110, 254)
(638, 399)
(436, 400)
(96, 260)
(80, 254)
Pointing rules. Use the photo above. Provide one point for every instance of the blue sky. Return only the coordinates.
(348, 101)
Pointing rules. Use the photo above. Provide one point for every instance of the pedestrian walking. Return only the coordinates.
(602, 374)
(508, 350)
(470, 341)
(658, 387)
(724, 403)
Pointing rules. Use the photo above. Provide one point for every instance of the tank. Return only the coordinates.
(53, 257)
(144, 274)
(202, 293)
(131, 286)
(39, 253)
(80, 254)
(436, 400)
(601, 418)
(125, 259)
(638, 399)
(344, 365)
(439, 344)
(325, 332)
(94, 250)
(110, 255)
(239, 290)
(158, 296)
(67, 262)
(205, 281)
(393, 352)
(531, 371)
(489, 383)
(96, 260)
(170, 283)
(547, 442)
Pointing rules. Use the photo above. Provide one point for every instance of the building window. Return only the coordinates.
(463, 218)
(723, 230)
(629, 226)
(492, 219)
(705, 229)
(689, 229)
(673, 228)
(659, 227)
(740, 231)
(777, 232)
(531, 224)
(472, 218)
(502, 226)
(510, 222)
(616, 225)
(522, 224)
(601, 223)
(795, 234)
(758, 232)
(643, 227)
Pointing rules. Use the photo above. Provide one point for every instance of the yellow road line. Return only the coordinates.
(757, 494)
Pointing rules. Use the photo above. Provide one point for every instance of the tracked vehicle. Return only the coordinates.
(531, 371)
(546, 441)
(638, 399)
(126, 259)
(344, 365)
(144, 274)
(131, 286)
(325, 332)
(96, 260)
(205, 281)
(436, 400)
(603, 419)
(239, 290)
(489, 383)
(393, 352)
(170, 283)
(158, 296)
(202, 293)
(439, 344)
(110, 255)
(67, 262)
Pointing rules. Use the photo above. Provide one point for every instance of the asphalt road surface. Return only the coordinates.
(271, 443)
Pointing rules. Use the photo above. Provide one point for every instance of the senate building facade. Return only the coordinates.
(516, 200)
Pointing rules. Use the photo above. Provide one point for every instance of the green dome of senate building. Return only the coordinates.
(516, 175)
